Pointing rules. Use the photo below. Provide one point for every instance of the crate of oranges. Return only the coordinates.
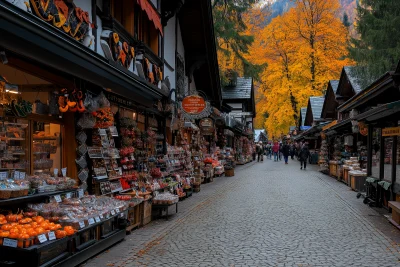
(28, 231)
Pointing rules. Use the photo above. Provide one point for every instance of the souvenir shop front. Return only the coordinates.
(377, 116)
(79, 163)
(344, 151)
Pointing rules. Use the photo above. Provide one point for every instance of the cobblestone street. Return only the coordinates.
(268, 214)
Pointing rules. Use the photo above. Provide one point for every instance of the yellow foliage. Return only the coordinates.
(304, 49)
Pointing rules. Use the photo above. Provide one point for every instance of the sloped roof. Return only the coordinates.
(334, 84)
(303, 112)
(353, 79)
(317, 103)
(242, 90)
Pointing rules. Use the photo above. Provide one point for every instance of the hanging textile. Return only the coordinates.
(151, 13)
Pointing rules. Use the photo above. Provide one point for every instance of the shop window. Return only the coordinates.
(46, 149)
(388, 160)
(123, 12)
(145, 30)
(30, 139)
(376, 153)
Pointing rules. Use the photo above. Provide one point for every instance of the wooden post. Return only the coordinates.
(394, 161)
(369, 149)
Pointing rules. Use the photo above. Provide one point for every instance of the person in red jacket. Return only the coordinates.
(275, 150)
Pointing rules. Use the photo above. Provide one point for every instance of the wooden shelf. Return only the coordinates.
(45, 138)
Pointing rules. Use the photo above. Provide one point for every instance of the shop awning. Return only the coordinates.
(151, 13)
(380, 112)
(342, 127)
(329, 125)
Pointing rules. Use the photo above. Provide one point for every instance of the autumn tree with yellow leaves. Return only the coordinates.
(303, 49)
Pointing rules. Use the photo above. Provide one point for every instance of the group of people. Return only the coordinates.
(285, 149)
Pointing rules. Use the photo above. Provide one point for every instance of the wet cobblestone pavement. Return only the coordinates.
(268, 214)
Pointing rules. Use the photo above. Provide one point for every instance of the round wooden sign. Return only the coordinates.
(193, 104)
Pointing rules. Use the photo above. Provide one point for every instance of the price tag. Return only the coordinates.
(64, 172)
(3, 175)
(101, 216)
(80, 193)
(91, 221)
(113, 212)
(58, 198)
(55, 172)
(52, 236)
(97, 219)
(10, 242)
(16, 175)
(42, 238)
(82, 224)
(68, 195)
(117, 210)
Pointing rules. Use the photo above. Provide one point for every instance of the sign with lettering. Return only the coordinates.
(206, 126)
(193, 104)
(391, 131)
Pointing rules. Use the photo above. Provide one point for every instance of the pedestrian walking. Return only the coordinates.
(280, 150)
(275, 150)
(254, 152)
(292, 151)
(303, 156)
(269, 151)
(260, 152)
(286, 152)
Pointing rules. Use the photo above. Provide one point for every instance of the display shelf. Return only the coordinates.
(52, 138)
(93, 249)
(115, 178)
(12, 139)
(17, 200)
(18, 154)
(1, 169)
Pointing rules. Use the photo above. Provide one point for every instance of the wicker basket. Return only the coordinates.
(229, 173)
(5, 194)
(16, 193)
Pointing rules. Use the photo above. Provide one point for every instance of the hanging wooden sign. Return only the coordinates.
(363, 128)
(193, 104)
(195, 107)
(206, 126)
(391, 131)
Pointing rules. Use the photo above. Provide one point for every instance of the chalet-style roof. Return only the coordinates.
(353, 79)
(316, 103)
(242, 90)
(330, 103)
(334, 84)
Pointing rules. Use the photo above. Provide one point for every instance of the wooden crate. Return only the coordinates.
(346, 176)
(333, 169)
(230, 173)
(134, 218)
(146, 211)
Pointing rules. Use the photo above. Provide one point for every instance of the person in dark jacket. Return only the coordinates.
(304, 154)
(280, 150)
(292, 151)
(260, 151)
(286, 152)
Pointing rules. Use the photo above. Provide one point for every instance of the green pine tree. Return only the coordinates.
(346, 21)
(229, 27)
(377, 50)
